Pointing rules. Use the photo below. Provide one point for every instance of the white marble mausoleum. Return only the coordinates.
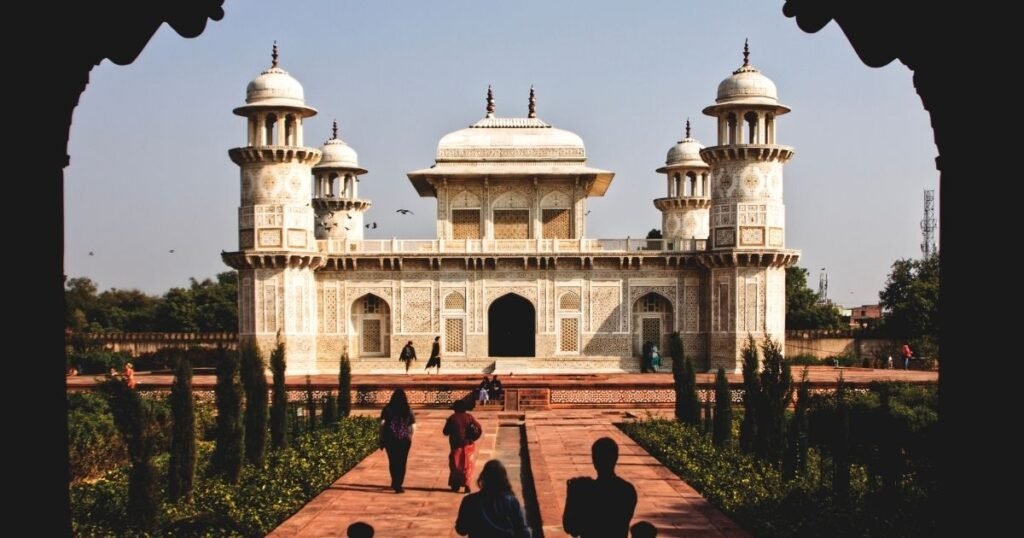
(511, 282)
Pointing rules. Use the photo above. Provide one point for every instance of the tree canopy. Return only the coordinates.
(910, 303)
(205, 306)
(803, 310)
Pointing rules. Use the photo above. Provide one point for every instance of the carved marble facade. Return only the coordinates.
(511, 198)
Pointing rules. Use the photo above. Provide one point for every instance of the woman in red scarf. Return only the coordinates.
(462, 430)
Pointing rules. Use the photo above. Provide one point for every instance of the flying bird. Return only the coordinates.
(171, 251)
(587, 213)
(371, 225)
(404, 211)
(349, 215)
(90, 253)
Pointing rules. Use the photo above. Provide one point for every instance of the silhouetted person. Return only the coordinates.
(435, 356)
(462, 430)
(396, 428)
(407, 355)
(494, 511)
(360, 530)
(602, 506)
(643, 529)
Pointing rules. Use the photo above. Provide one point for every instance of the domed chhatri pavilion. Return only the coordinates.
(511, 283)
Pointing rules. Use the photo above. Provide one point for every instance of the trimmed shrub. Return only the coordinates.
(182, 466)
(723, 410)
(776, 386)
(255, 383)
(136, 429)
(94, 443)
(751, 396)
(227, 456)
(279, 399)
(344, 386)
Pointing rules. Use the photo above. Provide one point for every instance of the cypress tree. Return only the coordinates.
(776, 395)
(255, 382)
(330, 409)
(344, 386)
(841, 445)
(310, 405)
(685, 382)
(795, 461)
(181, 469)
(723, 410)
(227, 454)
(133, 421)
(708, 424)
(751, 396)
(279, 399)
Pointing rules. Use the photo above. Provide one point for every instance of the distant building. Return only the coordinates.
(865, 315)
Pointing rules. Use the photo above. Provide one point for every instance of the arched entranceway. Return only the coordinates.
(511, 327)
(371, 323)
(652, 321)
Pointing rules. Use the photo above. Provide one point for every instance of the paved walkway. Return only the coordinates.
(427, 508)
(559, 448)
(560, 442)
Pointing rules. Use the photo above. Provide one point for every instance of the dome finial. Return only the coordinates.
(533, 104)
(273, 55)
(490, 102)
(687, 127)
(746, 52)
(334, 130)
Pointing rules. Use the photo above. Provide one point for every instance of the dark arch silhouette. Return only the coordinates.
(511, 327)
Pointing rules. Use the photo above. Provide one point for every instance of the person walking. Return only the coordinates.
(129, 375)
(494, 511)
(407, 355)
(462, 430)
(602, 506)
(907, 355)
(645, 356)
(397, 424)
(435, 356)
(655, 358)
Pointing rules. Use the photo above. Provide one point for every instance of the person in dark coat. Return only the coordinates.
(645, 357)
(494, 511)
(435, 356)
(407, 355)
(600, 507)
(396, 428)
(496, 390)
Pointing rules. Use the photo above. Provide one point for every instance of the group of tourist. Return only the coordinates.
(408, 355)
(601, 506)
(489, 389)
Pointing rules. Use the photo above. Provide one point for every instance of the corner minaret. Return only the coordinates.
(339, 210)
(684, 209)
(277, 251)
(747, 242)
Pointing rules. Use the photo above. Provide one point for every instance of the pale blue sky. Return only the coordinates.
(150, 171)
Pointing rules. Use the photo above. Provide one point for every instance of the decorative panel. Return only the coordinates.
(556, 224)
(570, 337)
(466, 224)
(512, 224)
(454, 335)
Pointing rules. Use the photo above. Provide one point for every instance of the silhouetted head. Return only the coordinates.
(643, 529)
(360, 530)
(459, 406)
(605, 453)
(399, 403)
(409, 343)
(494, 479)
(437, 338)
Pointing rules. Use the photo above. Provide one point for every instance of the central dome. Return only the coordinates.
(510, 139)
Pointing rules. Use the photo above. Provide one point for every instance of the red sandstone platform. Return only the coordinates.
(818, 375)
